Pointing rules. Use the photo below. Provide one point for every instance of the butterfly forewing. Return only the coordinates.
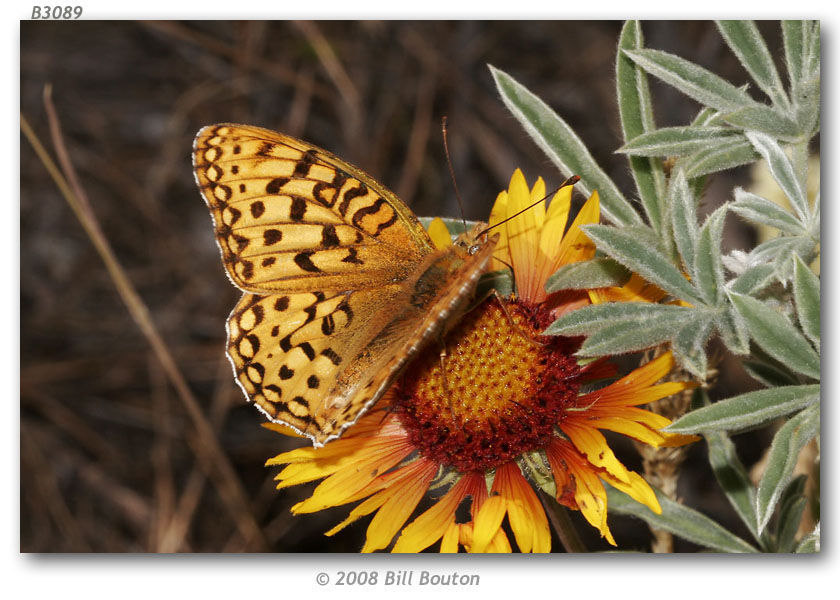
(288, 214)
(343, 285)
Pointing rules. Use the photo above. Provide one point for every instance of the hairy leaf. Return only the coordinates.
(766, 120)
(806, 293)
(692, 80)
(781, 460)
(683, 218)
(776, 335)
(719, 155)
(593, 318)
(631, 250)
(676, 141)
(589, 274)
(764, 212)
(679, 520)
(748, 45)
(634, 104)
(554, 136)
(708, 266)
(747, 410)
(782, 171)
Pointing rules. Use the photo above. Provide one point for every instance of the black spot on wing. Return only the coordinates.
(304, 261)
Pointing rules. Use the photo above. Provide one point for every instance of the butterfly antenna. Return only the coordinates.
(452, 171)
(570, 181)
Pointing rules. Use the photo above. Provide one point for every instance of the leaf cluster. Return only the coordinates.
(763, 305)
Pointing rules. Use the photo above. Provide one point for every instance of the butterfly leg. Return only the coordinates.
(443, 355)
(493, 292)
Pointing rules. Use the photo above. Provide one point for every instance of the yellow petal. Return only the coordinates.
(341, 487)
(638, 489)
(555, 222)
(406, 495)
(501, 253)
(591, 443)
(430, 526)
(575, 246)
(449, 543)
(537, 194)
(525, 513)
(439, 234)
(523, 235)
(487, 522)
(283, 429)
(590, 495)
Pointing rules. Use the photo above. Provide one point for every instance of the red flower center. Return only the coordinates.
(498, 391)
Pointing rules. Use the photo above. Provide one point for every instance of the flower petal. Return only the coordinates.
(439, 234)
(501, 253)
(404, 496)
(487, 522)
(430, 526)
(590, 495)
(525, 513)
(523, 235)
(576, 246)
(638, 489)
(591, 443)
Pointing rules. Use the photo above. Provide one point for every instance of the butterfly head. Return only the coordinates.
(475, 238)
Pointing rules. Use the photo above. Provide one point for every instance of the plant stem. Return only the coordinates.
(562, 524)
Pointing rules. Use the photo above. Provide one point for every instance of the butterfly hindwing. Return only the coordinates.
(317, 360)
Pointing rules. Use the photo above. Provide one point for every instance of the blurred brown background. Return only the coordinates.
(110, 458)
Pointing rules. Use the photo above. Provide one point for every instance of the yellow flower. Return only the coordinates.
(502, 406)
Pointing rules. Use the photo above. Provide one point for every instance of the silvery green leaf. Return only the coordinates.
(554, 136)
(721, 154)
(636, 115)
(806, 294)
(791, 508)
(777, 335)
(747, 410)
(692, 80)
(707, 117)
(501, 281)
(753, 279)
(793, 38)
(810, 543)
(781, 460)
(815, 217)
(768, 374)
(777, 251)
(811, 65)
(708, 267)
(764, 212)
(733, 478)
(676, 141)
(588, 274)
(595, 317)
(683, 212)
(807, 105)
(733, 331)
(782, 171)
(628, 246)
(746, 42)
(622, 338)
(679, 520)
(689, 344)
(757, 117)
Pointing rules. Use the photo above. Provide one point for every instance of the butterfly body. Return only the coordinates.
(342, 284)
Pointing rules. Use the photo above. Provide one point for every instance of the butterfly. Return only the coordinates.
(342, 284)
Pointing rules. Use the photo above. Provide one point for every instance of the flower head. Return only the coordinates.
(496, 416)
